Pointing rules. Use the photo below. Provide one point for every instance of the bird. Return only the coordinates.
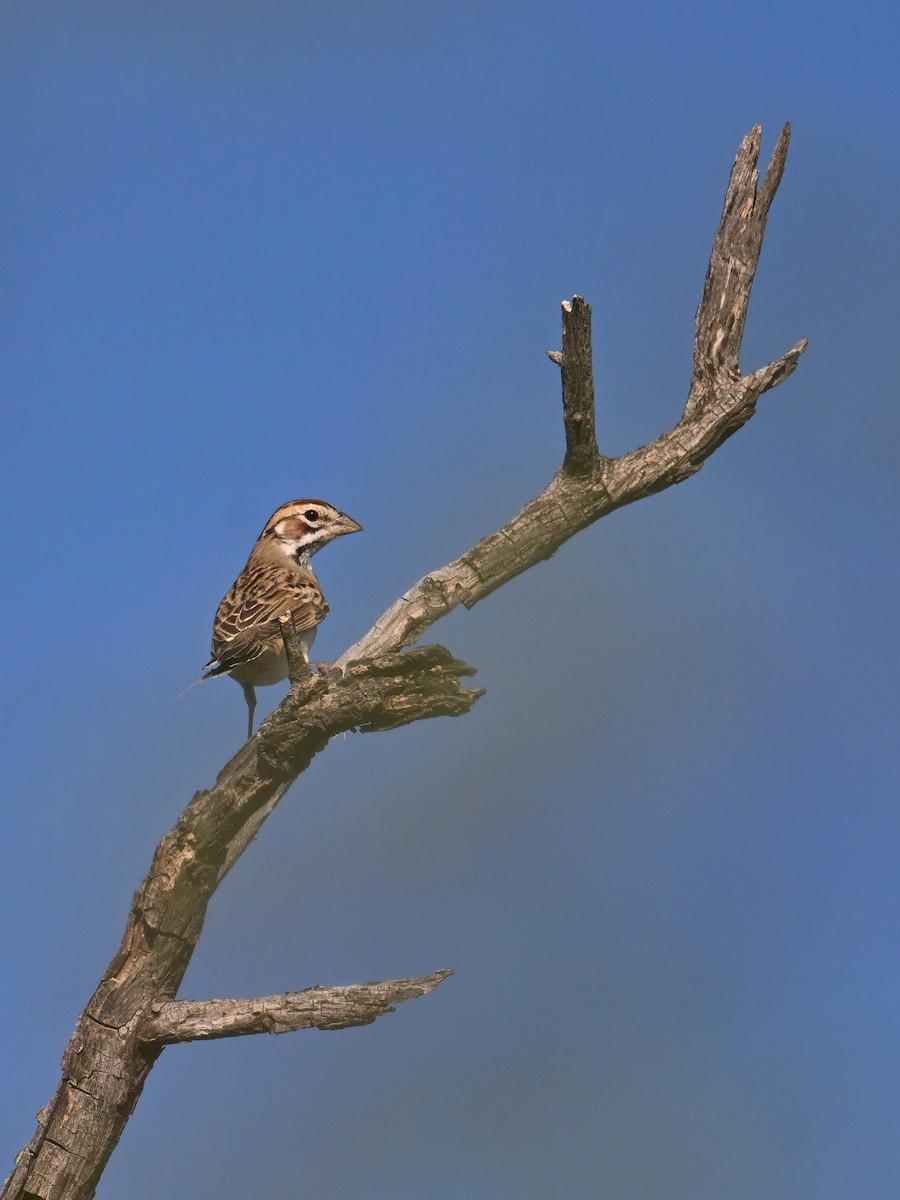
(276, 583)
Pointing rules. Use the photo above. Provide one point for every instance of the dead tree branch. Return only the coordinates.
(113, 1049)
(378, 685)
(315, 1008)
(589, 486)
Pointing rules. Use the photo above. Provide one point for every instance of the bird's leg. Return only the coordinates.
(250, 697)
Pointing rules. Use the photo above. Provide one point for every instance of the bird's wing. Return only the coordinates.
(249, 618)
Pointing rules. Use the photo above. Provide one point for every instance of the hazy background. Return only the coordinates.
(252, 252)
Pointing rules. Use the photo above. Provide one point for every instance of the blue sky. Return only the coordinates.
(258, 252)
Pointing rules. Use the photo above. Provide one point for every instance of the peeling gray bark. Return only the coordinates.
(378, 684)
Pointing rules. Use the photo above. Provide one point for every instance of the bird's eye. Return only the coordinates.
(311, 515)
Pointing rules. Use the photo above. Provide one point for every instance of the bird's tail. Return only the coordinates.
(209, 672)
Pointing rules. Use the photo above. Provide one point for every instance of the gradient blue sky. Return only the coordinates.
(252, 252)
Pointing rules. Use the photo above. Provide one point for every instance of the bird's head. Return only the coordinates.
(301, 527)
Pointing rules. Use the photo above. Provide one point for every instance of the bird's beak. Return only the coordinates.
(347, 525)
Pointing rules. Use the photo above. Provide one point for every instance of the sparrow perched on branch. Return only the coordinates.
(276, 583)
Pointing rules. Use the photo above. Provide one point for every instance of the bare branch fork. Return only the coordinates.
(588, 485)
(378, 684)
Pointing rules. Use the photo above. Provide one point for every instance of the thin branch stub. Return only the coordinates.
(314, 1008)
